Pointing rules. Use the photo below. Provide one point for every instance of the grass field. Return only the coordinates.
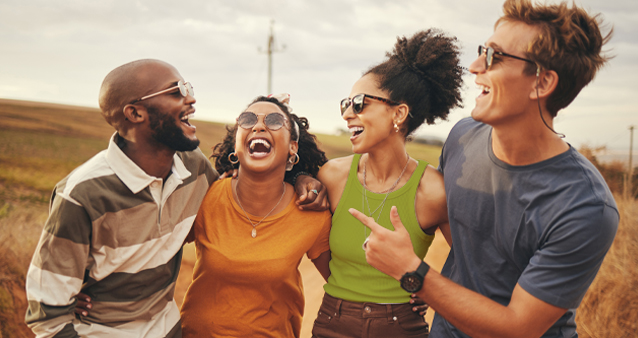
(41, 143)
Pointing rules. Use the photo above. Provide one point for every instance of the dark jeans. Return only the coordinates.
(339, 318)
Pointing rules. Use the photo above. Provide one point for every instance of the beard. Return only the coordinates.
(166, 131)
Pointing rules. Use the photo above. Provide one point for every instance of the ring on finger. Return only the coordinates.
(315, 191)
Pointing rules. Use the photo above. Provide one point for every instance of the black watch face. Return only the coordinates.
(411, 282)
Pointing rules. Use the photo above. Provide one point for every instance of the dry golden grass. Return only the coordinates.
(610, 307)
(41, 143)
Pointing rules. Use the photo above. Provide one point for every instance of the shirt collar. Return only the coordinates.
(131, 174)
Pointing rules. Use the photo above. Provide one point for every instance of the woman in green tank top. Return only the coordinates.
(419, 82)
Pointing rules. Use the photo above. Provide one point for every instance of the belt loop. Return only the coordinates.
(338, 308)
(388, 309)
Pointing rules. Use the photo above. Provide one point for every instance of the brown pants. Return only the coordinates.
(339, 318)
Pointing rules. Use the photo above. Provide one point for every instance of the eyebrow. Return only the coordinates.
(494, 45)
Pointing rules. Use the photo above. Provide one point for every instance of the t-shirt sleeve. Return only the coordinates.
(322, 244)
(57, 269)
(565, 264)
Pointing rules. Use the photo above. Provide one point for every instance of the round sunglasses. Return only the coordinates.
(357, 102)
(185, 88)
(273, 121)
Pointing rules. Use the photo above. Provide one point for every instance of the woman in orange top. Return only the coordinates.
(249, 234)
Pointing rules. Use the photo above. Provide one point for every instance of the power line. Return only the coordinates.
(271, 49)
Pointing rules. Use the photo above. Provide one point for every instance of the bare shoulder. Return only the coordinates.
(431, 200)
(333, 175)
(335, 169)
(432, 183)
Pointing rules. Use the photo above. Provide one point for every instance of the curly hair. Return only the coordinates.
(569, 43)
(424, 73)
(310, 156)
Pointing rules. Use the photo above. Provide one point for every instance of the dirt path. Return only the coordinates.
(313, 282)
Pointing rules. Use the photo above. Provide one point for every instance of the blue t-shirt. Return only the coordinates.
(546, 226)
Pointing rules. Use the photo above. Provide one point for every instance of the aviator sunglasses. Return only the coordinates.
(489, 56)
(185, 88)
(273, 121)
(358, 100)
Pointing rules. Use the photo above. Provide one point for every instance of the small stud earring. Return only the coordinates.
(396, 128)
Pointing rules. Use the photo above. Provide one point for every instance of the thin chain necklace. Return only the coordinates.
(254, 232)
(387, 192)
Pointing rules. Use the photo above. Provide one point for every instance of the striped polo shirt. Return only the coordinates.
(116, 234)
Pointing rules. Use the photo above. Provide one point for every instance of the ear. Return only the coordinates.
(294, 147)
(400, 113)
(546, 81)
(134, 113)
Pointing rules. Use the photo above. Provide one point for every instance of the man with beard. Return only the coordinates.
(118, 222)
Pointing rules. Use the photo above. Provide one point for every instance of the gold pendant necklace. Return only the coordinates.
(364, 199)
(254, 232)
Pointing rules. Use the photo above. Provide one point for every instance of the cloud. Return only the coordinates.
(60, 51)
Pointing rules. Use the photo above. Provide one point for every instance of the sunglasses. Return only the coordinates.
(489, 56)
(358, 100)
(185, 88)
(274, 121)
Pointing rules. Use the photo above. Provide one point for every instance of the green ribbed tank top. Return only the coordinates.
(352, 278)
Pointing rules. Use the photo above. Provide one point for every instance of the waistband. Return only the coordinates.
(337, 307)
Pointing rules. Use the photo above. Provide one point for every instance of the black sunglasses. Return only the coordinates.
(358, 100)
(489, 56)
(274, 121)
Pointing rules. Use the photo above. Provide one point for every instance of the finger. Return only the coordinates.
(420, 308)
(81, 312)
(222, 176)
(235, 173)
(367, 221)
(396, 220)
(83, 296)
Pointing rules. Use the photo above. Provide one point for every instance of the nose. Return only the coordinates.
(478, 65)
(190, 99)
(260, 125)
(348, 114)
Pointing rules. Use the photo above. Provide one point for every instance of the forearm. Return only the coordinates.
(479, 316)
(322, 263)
(49, 315)
(57, 269)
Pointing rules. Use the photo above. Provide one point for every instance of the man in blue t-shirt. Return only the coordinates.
(531, 219)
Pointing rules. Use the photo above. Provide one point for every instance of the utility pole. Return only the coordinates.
(271, 49)
(630, 174)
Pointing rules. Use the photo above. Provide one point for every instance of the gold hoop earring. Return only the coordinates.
(291, 163)
(230, 158)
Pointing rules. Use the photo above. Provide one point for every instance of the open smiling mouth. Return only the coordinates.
(259, 147)
(355, 131)
(484, 89)
(186, 117)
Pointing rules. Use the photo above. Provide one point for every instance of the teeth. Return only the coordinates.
(484, 89)
(187, 117)
(261, 141)
(355, 129)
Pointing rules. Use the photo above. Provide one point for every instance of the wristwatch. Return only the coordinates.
(413, 281)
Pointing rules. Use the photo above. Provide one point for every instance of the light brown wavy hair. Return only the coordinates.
(570, 43)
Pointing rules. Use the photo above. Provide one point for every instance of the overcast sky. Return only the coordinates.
(59, 51)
